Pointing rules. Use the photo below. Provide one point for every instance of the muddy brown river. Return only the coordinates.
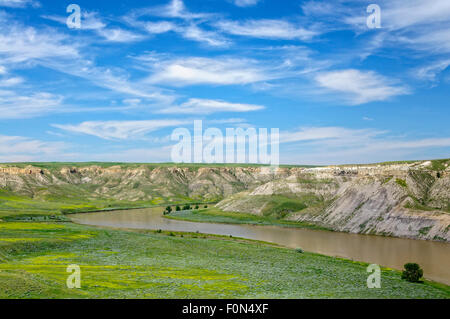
(433, 257)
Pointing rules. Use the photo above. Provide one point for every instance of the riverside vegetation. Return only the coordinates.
(38, 241)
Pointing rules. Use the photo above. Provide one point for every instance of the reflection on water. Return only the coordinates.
(434, 257)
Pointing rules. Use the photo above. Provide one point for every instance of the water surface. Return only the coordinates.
(433, 257)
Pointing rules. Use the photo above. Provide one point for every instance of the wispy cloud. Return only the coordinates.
(10, 81)
(18, 3)
(90, 20)
(160, 27)
(20, 44)
(120, 35)
(431, 71)
(202, 106)
(245, 3)
(174, 9)
(93, 22)
(360, 87)
(18, 148)
(119, 130)
(266, 29)
(17, 106)
(187, 24)
(340, 145)
(219, 71)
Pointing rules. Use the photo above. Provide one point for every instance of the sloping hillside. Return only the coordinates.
(405, 200)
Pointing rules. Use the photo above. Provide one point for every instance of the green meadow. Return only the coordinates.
(152, 264)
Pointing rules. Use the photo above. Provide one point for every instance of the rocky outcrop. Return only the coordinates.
(404, 200)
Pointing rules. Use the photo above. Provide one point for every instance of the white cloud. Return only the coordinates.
(202, 106)
(193, 32)
(23, 44)
(91, 21)
(119, 35)
(266, 29)
(17, 148)
(339, 145)
(134, 155)
(431, 71)
(419, 24)
(221, 71)
(245, 3)
(15, 106)
(400, 14)
(18, 3)
(345, 135)
(119, 130)
(174, 9)
(160, 27)
(9, 82)
(359, 87)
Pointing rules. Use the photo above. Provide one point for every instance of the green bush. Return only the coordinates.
(178, 208)
(412, 272)
(401, 182)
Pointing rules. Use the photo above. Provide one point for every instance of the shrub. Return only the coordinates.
(412, 272)
(299, 250)
(401, 182)
(206, 206)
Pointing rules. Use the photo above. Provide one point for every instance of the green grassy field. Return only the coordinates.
(126, 264)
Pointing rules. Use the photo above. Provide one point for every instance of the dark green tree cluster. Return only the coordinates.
(412, 272)
(168, 210)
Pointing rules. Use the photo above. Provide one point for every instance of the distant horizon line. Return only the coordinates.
(217, 164)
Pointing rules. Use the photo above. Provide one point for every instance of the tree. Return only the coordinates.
(178, 208)
(206, 206)
(168, 210)
(412, 272)
(196, 207)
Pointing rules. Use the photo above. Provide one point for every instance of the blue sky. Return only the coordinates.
(115, 89)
